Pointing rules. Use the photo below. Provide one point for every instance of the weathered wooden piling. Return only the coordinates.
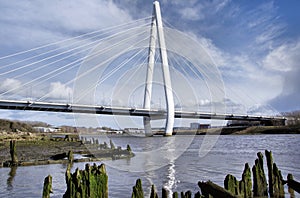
(137, 190)
(231, 184)
(13, 153)
(246, 182)
(97, 141)
(290, 190)
(278, 182)
(164, 193)
(242, 188)
(175, 195)
(153, 193)
(260, 188)
(91, 182)
(105, 146)
(70, 156)
(269, 158)
(198, 195)
(47, 187)
(211, 189)
(276, 188)
(187, 194)
(292, 183)
(129, 148)
(112, 145)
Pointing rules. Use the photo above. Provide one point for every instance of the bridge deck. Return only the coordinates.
(94, 109)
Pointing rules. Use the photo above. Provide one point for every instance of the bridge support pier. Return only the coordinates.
(157, 33)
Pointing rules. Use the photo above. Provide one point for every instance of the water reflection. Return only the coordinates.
(10, 179)
(171, 183)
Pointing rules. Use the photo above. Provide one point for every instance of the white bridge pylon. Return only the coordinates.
(157, 34)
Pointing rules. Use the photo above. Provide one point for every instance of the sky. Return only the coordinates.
(254, 44)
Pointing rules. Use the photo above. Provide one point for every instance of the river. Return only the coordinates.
(177, 163)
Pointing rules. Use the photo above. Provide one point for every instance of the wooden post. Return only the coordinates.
(137, 190)
(270, 171)
(164, 193)
(175, 194)
(260, 188)
(91, 182)
(70, 156)
(47, 187)
(246, 183)
(231, 184)
(13, 153)
(153, 192)
(242, 188)
(112, 146)
(209, 188)
(276, 188)
(292, 183)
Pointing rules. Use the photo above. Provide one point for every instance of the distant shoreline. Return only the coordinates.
(41, 149)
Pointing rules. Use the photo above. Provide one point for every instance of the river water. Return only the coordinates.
(176, 163)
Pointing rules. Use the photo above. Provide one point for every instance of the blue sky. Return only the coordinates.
(254, 44)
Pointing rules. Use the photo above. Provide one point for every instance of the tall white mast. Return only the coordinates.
(157, 31)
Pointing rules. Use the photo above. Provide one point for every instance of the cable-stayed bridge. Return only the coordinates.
(147, 67)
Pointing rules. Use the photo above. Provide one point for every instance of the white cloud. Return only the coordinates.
(10, 84)
(191, 13)
(58, 90)
(284, 58)
(246, 79)
(40, 22)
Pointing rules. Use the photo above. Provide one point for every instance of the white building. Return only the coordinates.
(46, 129)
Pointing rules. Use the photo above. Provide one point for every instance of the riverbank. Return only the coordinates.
(40, 149)
(238, 130)
(255, 130)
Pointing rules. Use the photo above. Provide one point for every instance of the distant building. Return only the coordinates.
(46, 129)
(196, 125)
(204, 126)
(134, 130)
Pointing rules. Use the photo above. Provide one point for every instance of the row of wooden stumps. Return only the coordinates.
(90, 182)
(261, 188)
(93, 182)
(238, 189)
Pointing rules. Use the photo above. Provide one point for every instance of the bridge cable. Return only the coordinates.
(76, 37)
(93, 68)
(64, 52)
(54, 71)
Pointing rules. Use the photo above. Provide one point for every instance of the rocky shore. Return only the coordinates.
(25, 149)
